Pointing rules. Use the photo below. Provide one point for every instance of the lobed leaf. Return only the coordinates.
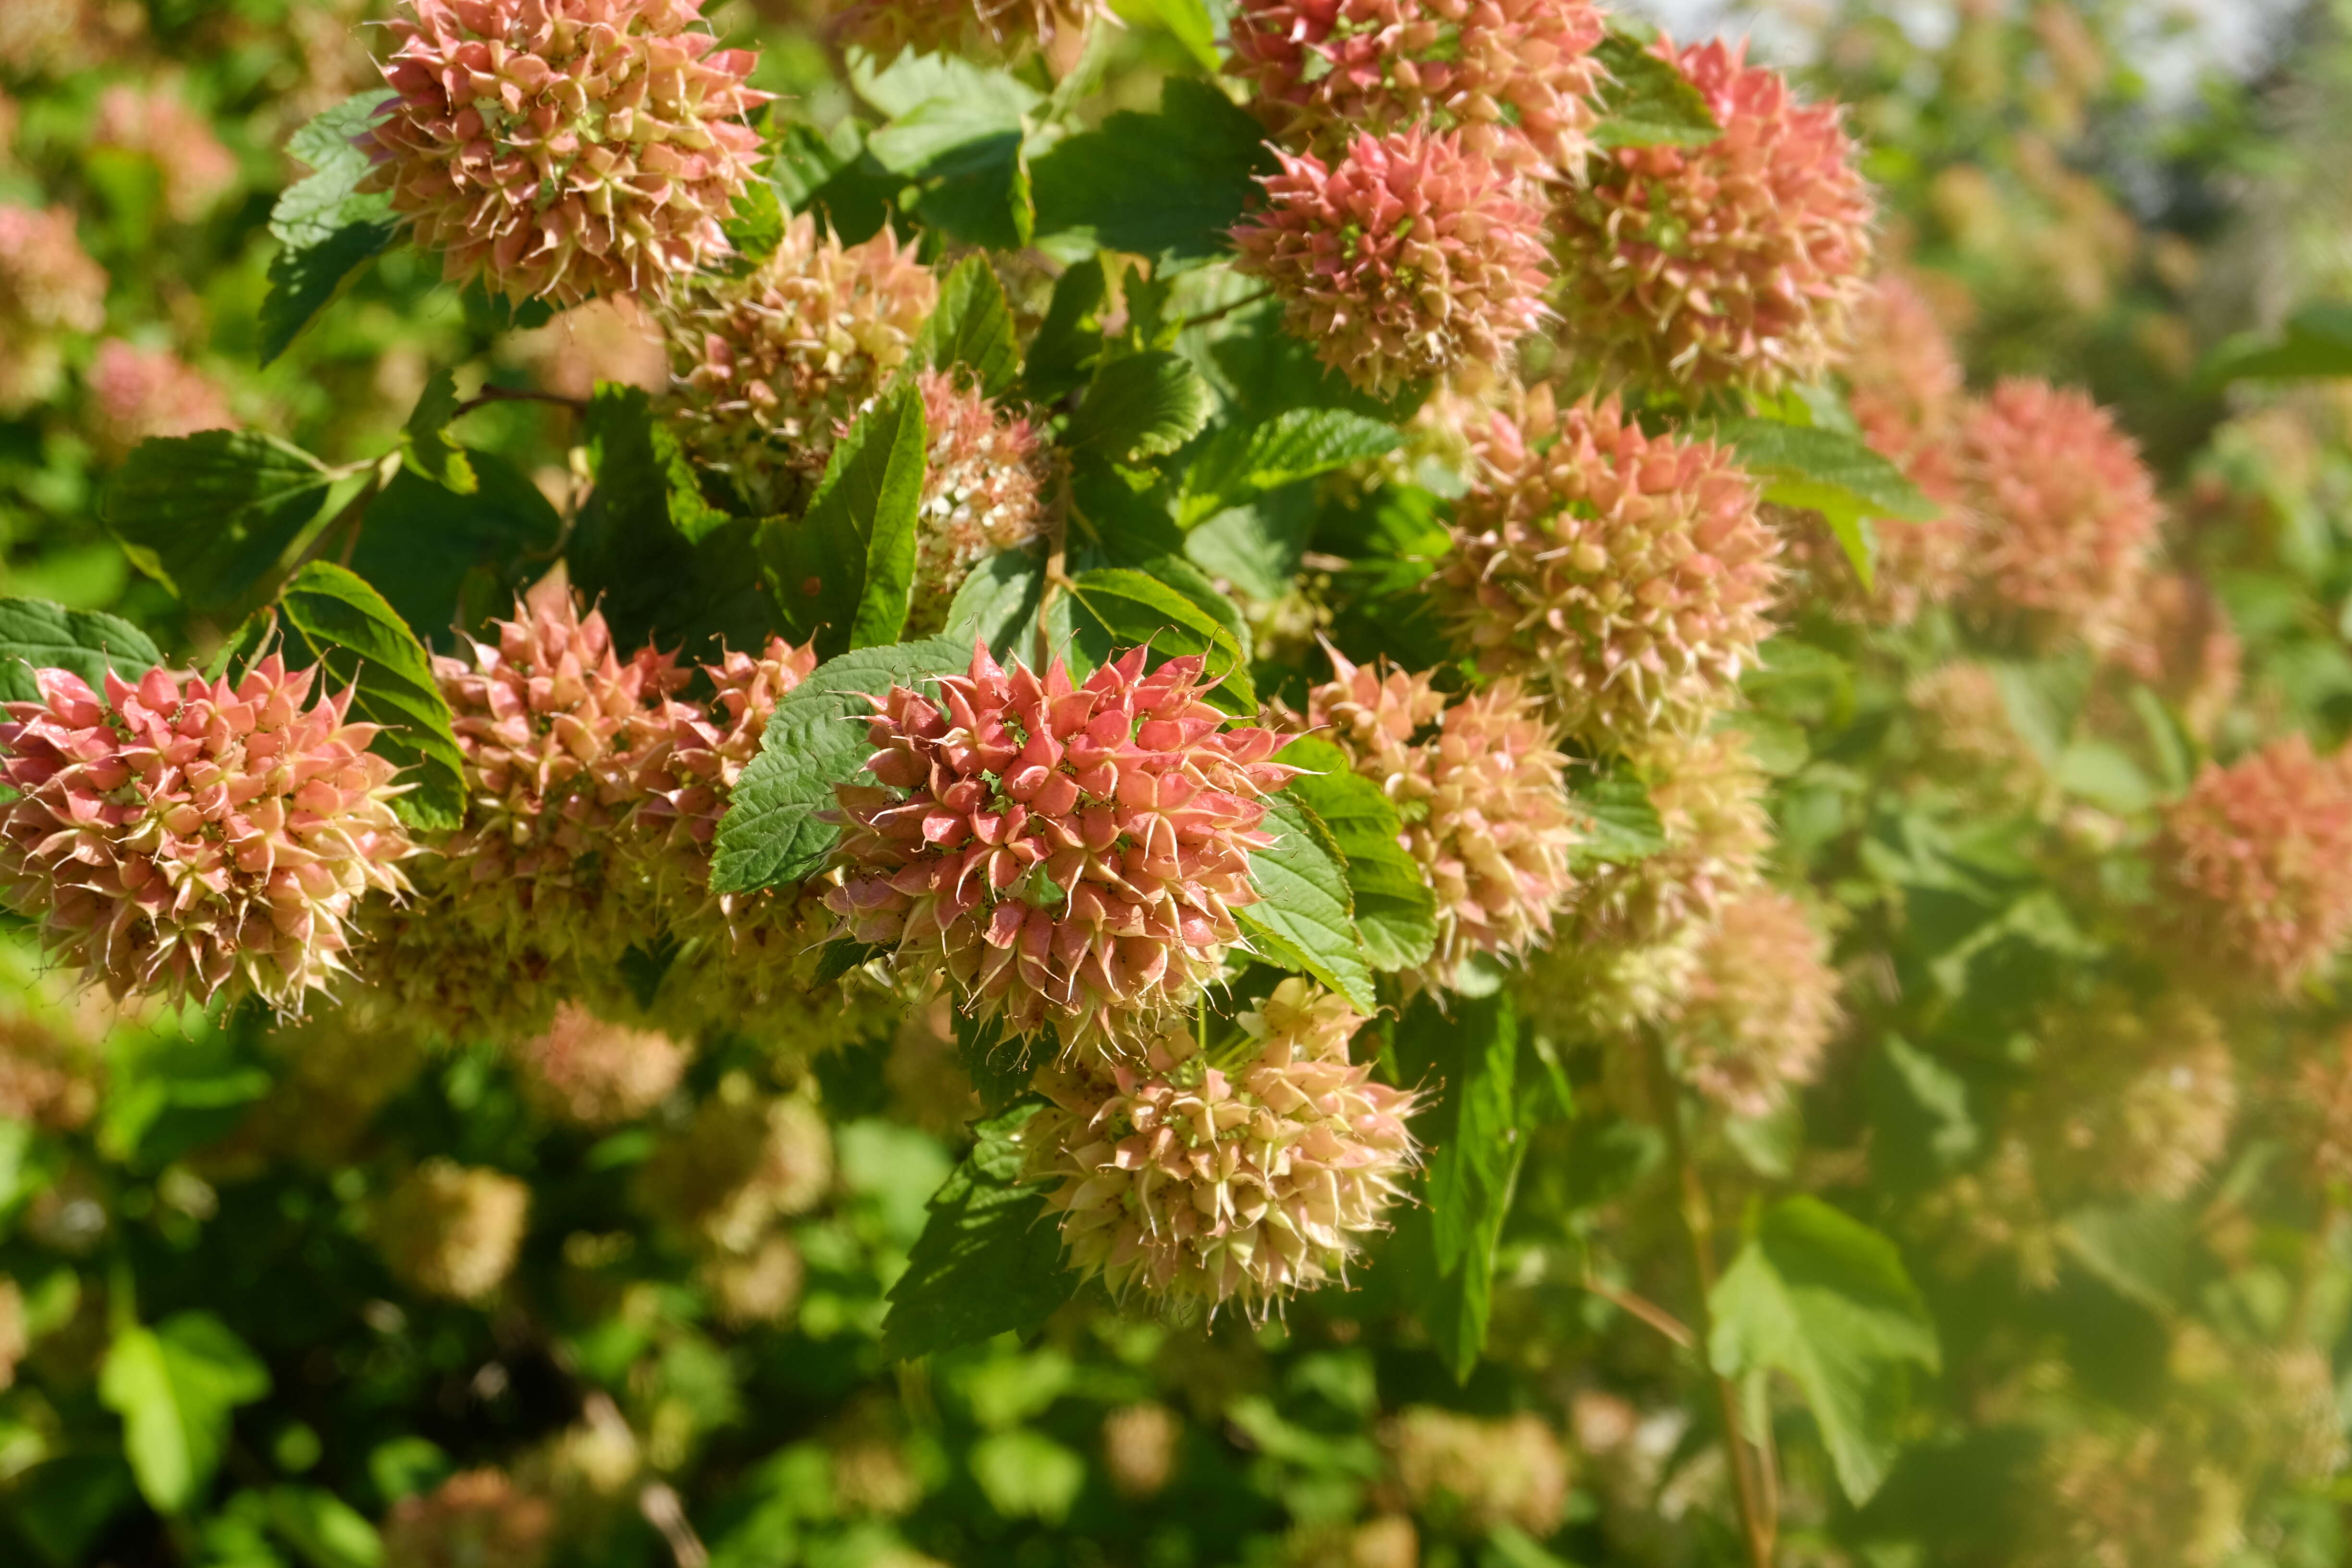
(1141, 406)
(1114, 608)
(1170, 184)
(973, 328)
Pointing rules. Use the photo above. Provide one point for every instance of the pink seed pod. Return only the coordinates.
(1735, 264)
(1408, 256)
(180, 836)
(1202, 1185)
(564, 149)
(1515, 78)
(1629, 576)
(1068, 856)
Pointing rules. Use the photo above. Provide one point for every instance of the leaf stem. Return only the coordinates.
(1752, 1482)
(1227, 309)
(489, 395)
(1057, 575)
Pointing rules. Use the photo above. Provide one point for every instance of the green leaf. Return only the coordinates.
(1826, 1299)
(305, 280)
(359, 641)
(2317, 342)
(814, 740)
(1115, 608)
(185, 1082)
(1621, 824)
(1647, 102)
(1143, 405)
(1257, 547)
(845, 573)
(1830, 472)
(1069, 340)
(989, 1260)
(1189, 22)
(1170, 184)
(445, 560)
(62, 1505)
(958, 130)
(324, 1531)
(2142, 1248)
(37, 635)
(327, 228)
(643, 477)
(1249, 457)
(426, 449)
(999, 1069)
(754, 228)
(973, 327)
(175, 1386)
(216, 517)
(1303, 919)
(1468, 1059)
(1394, 908)
(998, 603)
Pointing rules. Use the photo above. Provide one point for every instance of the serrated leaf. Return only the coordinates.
(754, 228)
(1115, 608)
(1394, 908)
(37, 635)
(445, 560)
(1621, 824)
(1826, 1299)
(175, 1386)
(424, 446)
(1068, 340)
(359, 641)
(1828, 471)
(999, 1069)
(1249, 457)
(989, 1260)
(642, 474)
(814, 741)
(214, 516)
(1303, 919)
(327, 228)
(845, 573)
(1170, 185)
(305, 280)
(1143, 405)
(1467, 1057)
(973, 327)
(998, 603)
(1646, 102)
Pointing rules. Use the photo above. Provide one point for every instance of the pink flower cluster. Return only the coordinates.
(1069, 855)
(1410, 257)
(48, 287)
(197, 169)
(181, 837)
(563, 149)
(1735, 264)
(886, 28)
(142, 394)
(1629, 575)
(1515, 78)
(1238, 1178)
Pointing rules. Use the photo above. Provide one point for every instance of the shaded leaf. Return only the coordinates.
(359, 641)
(426, 447)
(1248, 457)
(1646, 101)
(990, 1259)
(2318, 341)
(445, 560)
(304, 280)
(328, 229)
(214, 517)
(1170, 184)
(1466, 1058)
(973, 327)
(998, 603)
(1142, 405)
(1826, 1299)
(999, 1069)
(1115, 608)
(845, 573)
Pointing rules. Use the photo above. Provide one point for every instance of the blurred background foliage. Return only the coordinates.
(2135, 1370)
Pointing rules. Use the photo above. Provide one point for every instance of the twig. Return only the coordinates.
(1222, 312)
(489, 395)
(1057, 575)
(1641, 1307)
(659, 1503)
(1750, 1488)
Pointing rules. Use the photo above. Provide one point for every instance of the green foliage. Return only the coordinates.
(1170, 184)
(1394, 910)
(1305, 919)
(1826, 1300)
(985, 1264)
(216, 517)
(972, 329)
(1648, 102)
(1139, 407)
(327, 228)
(175, 1386)
(37, 635)
(1113, 608)
(359, 641)
(1824, 470)
(1467, 1064)
(843, 574)
(2318, 341)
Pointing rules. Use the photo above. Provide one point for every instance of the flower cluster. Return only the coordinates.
(1515, 78)
(180, 835)
(563, 149)
(473, 1519)
(743, 1163)
(982, 491)
(593, 1073)
(1629, 576)
(141, 393)
(1410, 256)
(1237, 1178)
(197, 169)
(886, 28)
(1761, 1004)
(453, 1230)
(1479, 791)
(1735, 264)
(48, 287)
(2069, 513)
(1471, 1476)
(1067, 855)
(2256, 860)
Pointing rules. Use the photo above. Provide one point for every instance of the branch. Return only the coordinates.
(659, 1503)
(1752, 1482)
(1641, 1307)
(491, 394)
